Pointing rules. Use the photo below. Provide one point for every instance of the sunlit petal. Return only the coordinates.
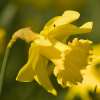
(42, 75)
(68, 17)
(26, 74)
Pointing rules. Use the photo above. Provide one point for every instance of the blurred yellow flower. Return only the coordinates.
(2, 40)
(78, 92)
(91, 75)
(48, 46)
(96, 49)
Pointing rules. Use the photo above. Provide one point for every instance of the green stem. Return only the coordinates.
(3, 69)
(4, 64)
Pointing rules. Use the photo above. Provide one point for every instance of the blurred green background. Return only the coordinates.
(16, 14)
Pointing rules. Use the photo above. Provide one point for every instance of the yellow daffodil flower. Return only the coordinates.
(47, 46)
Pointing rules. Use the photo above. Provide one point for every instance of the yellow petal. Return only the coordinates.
(42, 75)
(51, 22)
(42, 41)
(47, 48)
(50, 52)
(49, 26)
(87, 27)
(26, 74)
(64, 31)
(68, 17)
(67, 69)
(61, 46)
